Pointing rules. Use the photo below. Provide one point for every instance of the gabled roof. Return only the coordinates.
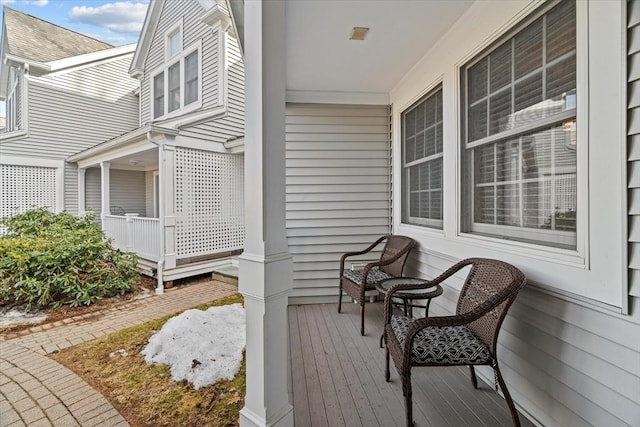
(213, 10)
(33, 39)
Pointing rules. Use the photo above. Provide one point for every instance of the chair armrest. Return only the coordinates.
(368, 249)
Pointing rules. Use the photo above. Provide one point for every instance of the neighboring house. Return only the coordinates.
(64, 92)
(171, 190)
(497, 129)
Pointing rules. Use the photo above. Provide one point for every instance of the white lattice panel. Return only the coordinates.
(25, 187)
(209, 202)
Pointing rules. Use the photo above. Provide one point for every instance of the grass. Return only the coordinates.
(144, 394)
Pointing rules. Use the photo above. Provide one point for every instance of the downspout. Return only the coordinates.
(161, 211)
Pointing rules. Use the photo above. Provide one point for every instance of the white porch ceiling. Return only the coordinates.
(320, 56)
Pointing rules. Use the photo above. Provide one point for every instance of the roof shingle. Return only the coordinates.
(36, 40)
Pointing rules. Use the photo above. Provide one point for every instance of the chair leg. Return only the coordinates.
(387, 373)
(340, 297)
(507, 396)
(408, 404)
(362, 317)
(474, 380)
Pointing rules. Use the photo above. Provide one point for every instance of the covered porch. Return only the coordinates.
(337, 378)
(177, 207)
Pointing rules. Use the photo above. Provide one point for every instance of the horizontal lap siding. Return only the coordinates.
(193, 30)
(75, 110)
(337, 189)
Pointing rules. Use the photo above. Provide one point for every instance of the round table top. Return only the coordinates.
(429, 292)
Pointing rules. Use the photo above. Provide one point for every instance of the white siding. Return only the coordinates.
(148, 179)
(338, 190)
(75, 110)
(92, 192)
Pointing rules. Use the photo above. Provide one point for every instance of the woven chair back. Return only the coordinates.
(489, 281)
(395, 245)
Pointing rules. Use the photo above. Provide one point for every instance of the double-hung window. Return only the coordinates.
(177, 85)
(519, 144)
(422, 161)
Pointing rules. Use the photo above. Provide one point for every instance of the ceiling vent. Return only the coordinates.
(359, 33)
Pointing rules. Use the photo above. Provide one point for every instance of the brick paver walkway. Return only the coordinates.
(37, 391)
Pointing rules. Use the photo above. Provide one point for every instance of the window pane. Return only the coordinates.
(561, 77)
(561, 30)
(175, 44)
(191, 78)
(500, 67)
(500, 111)
(477, 76)
(174, 87)
(477, 121)
(528, 49)
(158, 95)
(528, 92)
(484, 212)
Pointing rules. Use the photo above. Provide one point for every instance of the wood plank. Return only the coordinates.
(314, 392)
(299, 386)
(327, 387)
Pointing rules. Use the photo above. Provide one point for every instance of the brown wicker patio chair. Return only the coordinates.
(391, 263)
(468, 338)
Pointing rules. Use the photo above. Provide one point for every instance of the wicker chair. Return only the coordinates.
(356, 282)
(468, 338)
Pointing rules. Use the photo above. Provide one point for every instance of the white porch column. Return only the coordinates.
(105, 190)
(81, 191)
(168, 203)
(266, 267)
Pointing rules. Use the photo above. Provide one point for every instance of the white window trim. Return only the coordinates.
(223, 98)
(58, 165)
(9, 136)
(183, 109)
(167, 45)
(594, 274)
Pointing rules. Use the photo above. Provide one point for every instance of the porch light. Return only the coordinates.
(359, 33)
(134, 162)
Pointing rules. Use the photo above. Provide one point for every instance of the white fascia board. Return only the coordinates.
(91, 57)
(130, 148)
(35, 64)
(136, 70)
(336, 97)
(193, 119)
(132, 137)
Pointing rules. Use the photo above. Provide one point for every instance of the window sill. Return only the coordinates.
(179, 112)
(567, 257)
(10, 136)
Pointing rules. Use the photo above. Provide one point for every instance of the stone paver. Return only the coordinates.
(37, 391)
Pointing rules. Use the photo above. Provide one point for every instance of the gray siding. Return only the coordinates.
(232, 124)
(127, 190)
(193, 30)
(633, 145)
(75, 110)
(337, 190)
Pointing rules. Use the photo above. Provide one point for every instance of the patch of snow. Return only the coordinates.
(122, 353)
(201, 347)
(20, 316)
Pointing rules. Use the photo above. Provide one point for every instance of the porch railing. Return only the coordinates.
(134, 234)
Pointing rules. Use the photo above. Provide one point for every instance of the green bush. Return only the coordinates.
(49, 259)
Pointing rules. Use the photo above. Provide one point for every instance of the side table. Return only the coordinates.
(408, 295)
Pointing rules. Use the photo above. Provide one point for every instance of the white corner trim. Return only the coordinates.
(336, 97)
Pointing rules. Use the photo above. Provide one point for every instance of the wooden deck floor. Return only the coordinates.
(337, 378)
